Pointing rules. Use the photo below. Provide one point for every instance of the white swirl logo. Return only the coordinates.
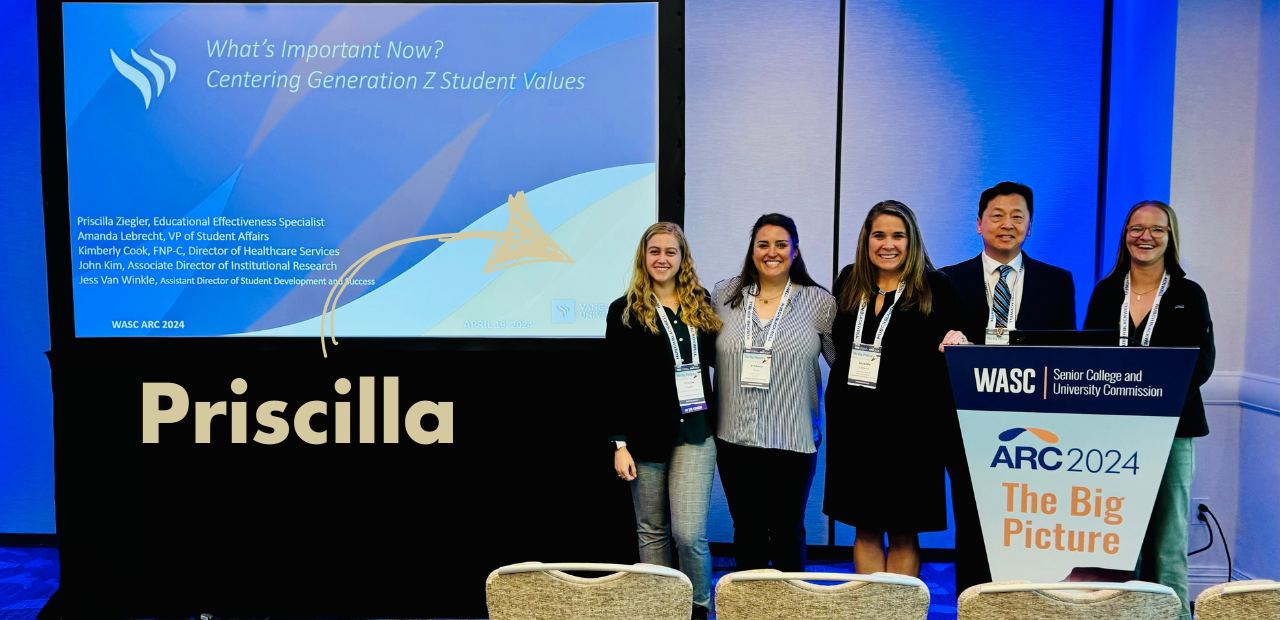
(132, 74)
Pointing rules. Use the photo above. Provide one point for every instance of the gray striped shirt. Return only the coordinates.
(787, 415)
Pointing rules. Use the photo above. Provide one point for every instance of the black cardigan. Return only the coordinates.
(1183, 322)
(644, 403)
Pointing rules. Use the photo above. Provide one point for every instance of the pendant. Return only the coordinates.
(1139, 297)
(766, 301)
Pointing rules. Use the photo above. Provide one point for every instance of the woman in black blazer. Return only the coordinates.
(899, 414)
(1161, 308)
(662, 338)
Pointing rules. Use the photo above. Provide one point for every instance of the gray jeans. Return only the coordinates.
(672, 498)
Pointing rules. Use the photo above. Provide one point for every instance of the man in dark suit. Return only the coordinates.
(1001, 289)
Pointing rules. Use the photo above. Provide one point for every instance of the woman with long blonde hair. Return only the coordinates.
(662, 337)
(889, 394)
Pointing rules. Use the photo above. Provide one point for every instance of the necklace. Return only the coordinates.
(765, 300)
(1145, 292)
(880, 290)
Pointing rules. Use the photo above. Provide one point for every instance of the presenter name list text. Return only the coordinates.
(141, 251)
(127, 250)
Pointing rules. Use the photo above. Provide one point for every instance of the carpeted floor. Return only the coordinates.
(29, 576)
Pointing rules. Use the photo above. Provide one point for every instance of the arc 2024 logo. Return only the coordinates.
(1052, 458)
(140, 80)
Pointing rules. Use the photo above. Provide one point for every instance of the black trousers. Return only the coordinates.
(767, 491)
(971, 551)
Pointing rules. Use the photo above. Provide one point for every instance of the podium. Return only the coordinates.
(1066, 447)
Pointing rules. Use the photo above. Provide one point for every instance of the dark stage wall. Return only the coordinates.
(176, 528)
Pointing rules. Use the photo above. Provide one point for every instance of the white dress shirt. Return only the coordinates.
(991, 271)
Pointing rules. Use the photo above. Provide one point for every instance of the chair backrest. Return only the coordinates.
(1240, 600)
(771, 595)
(1133, 600)
(536, 591)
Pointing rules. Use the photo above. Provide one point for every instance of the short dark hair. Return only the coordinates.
(1004, 188)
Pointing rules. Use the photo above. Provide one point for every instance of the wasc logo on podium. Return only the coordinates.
(1007, 380)
(1066, 447)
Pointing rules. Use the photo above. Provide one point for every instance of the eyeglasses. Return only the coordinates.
(1157, 232)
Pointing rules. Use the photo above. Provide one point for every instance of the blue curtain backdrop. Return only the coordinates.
(26, 402)
(944, 99)
(1140, 129)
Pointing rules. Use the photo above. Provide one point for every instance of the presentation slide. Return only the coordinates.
(466, 170)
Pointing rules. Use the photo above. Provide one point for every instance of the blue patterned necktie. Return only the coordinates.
(1000, 300)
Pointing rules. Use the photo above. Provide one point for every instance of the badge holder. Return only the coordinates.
(864, 365)
(864, 360)
(757, 361)
(689, 388)
(688, 376)
(755, 367)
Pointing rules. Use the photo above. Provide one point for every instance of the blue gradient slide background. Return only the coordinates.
(378, 165)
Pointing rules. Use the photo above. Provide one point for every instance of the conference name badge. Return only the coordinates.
(689, 388)
(864, 359)
(755, 367)
(997, 335)
(864, 365)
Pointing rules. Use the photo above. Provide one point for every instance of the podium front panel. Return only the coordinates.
(1066, 447)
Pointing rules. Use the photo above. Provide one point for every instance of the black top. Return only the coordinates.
(645, 407)
(910, 358)
(1048, 297)
(906, 423)
(871, 322)
(1183, 322)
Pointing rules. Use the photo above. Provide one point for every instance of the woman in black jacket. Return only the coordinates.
(889, 398)
(662, 338)
(1149, 298)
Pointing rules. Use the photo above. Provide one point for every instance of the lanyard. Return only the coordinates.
(1013, 298)
(777, 317)
(671, 335)
(1151, 317)
(884, 322)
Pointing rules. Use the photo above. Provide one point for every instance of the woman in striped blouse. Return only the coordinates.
(777, 321)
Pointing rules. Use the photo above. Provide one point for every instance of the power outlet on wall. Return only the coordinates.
(1197, 531)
